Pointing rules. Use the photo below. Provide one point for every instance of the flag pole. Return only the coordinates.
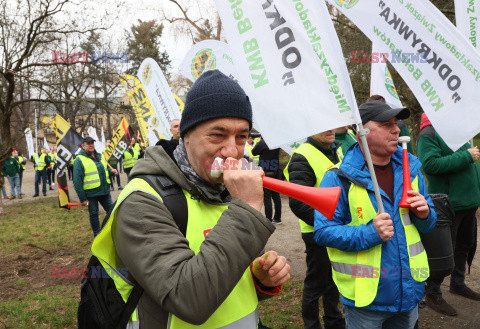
(36, 138)
(362, 132)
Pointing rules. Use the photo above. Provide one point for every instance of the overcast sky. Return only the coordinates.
(146, 10)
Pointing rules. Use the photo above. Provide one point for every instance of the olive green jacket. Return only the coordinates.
(152, 248)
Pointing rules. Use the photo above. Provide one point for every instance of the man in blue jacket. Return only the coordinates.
(378, 261)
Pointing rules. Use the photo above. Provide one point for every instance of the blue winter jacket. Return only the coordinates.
(397, 290)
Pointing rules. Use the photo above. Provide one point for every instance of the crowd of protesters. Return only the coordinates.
(374, 262)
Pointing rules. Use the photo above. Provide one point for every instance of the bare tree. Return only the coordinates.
(27, 28)
(198, 20)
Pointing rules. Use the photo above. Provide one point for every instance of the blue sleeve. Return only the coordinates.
(427, 224)
(78, 175)
(336, 233)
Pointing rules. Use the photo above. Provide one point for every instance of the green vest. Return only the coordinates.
(357, 274)
(91, 179)
(41, 161)
(320, 165)
(239, 307)
(129, 159)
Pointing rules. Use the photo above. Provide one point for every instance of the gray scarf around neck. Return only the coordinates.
(180, 155)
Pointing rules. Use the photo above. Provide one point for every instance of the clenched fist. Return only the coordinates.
(271, 269)
(384, 226)
(244, 181)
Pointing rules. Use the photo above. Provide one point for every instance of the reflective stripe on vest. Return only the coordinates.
(239, 310)
(129, 159)
(357, 274)
(320, 165)
(417, 255)
(91, 179)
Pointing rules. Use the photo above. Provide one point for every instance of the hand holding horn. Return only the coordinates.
(322, 199)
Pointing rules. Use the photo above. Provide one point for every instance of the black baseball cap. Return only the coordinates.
(380, 111)
(88, 139)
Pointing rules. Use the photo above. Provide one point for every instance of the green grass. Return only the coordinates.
(42, 223)
(54, 307)
(284, 310)
(63, 232)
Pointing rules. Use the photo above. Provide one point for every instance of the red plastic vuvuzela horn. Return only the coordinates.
(407, 182)
(323, 199)
(73, 204)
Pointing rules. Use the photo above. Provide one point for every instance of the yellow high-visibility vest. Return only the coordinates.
(320, 165)
(20, 160)
(41, 161)
(91, 179)
(357, 274)
(52, 159)
(129, 159)
(239, 307)
(256, 158)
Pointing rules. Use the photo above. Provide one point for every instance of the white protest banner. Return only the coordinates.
(45, 144)
(102, 139)
(159, 94)
(291, 65)
(439, 64)
(467, 17)
(381, 82)
(208, 55)
(290, 147)
(29, 139)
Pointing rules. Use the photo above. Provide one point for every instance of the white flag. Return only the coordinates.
(208, 55)
(45, 144)
(160, 96)
(152, 138)
(467, 17)
(29, 139)
(437, 62)
(290, 63)
(381, 82)
(102, 136)
(92, 132)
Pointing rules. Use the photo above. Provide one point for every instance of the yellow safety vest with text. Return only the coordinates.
(41, 161)
(91, 179)
(129, 159)
(238, 311)
(357, 274)
(320, 165)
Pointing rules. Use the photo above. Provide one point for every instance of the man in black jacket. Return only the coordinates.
(169, 145)
(269, 161)
(306, 167)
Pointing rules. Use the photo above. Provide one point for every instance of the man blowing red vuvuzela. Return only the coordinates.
(189, 277)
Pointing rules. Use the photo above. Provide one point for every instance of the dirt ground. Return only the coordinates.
(286, 241)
